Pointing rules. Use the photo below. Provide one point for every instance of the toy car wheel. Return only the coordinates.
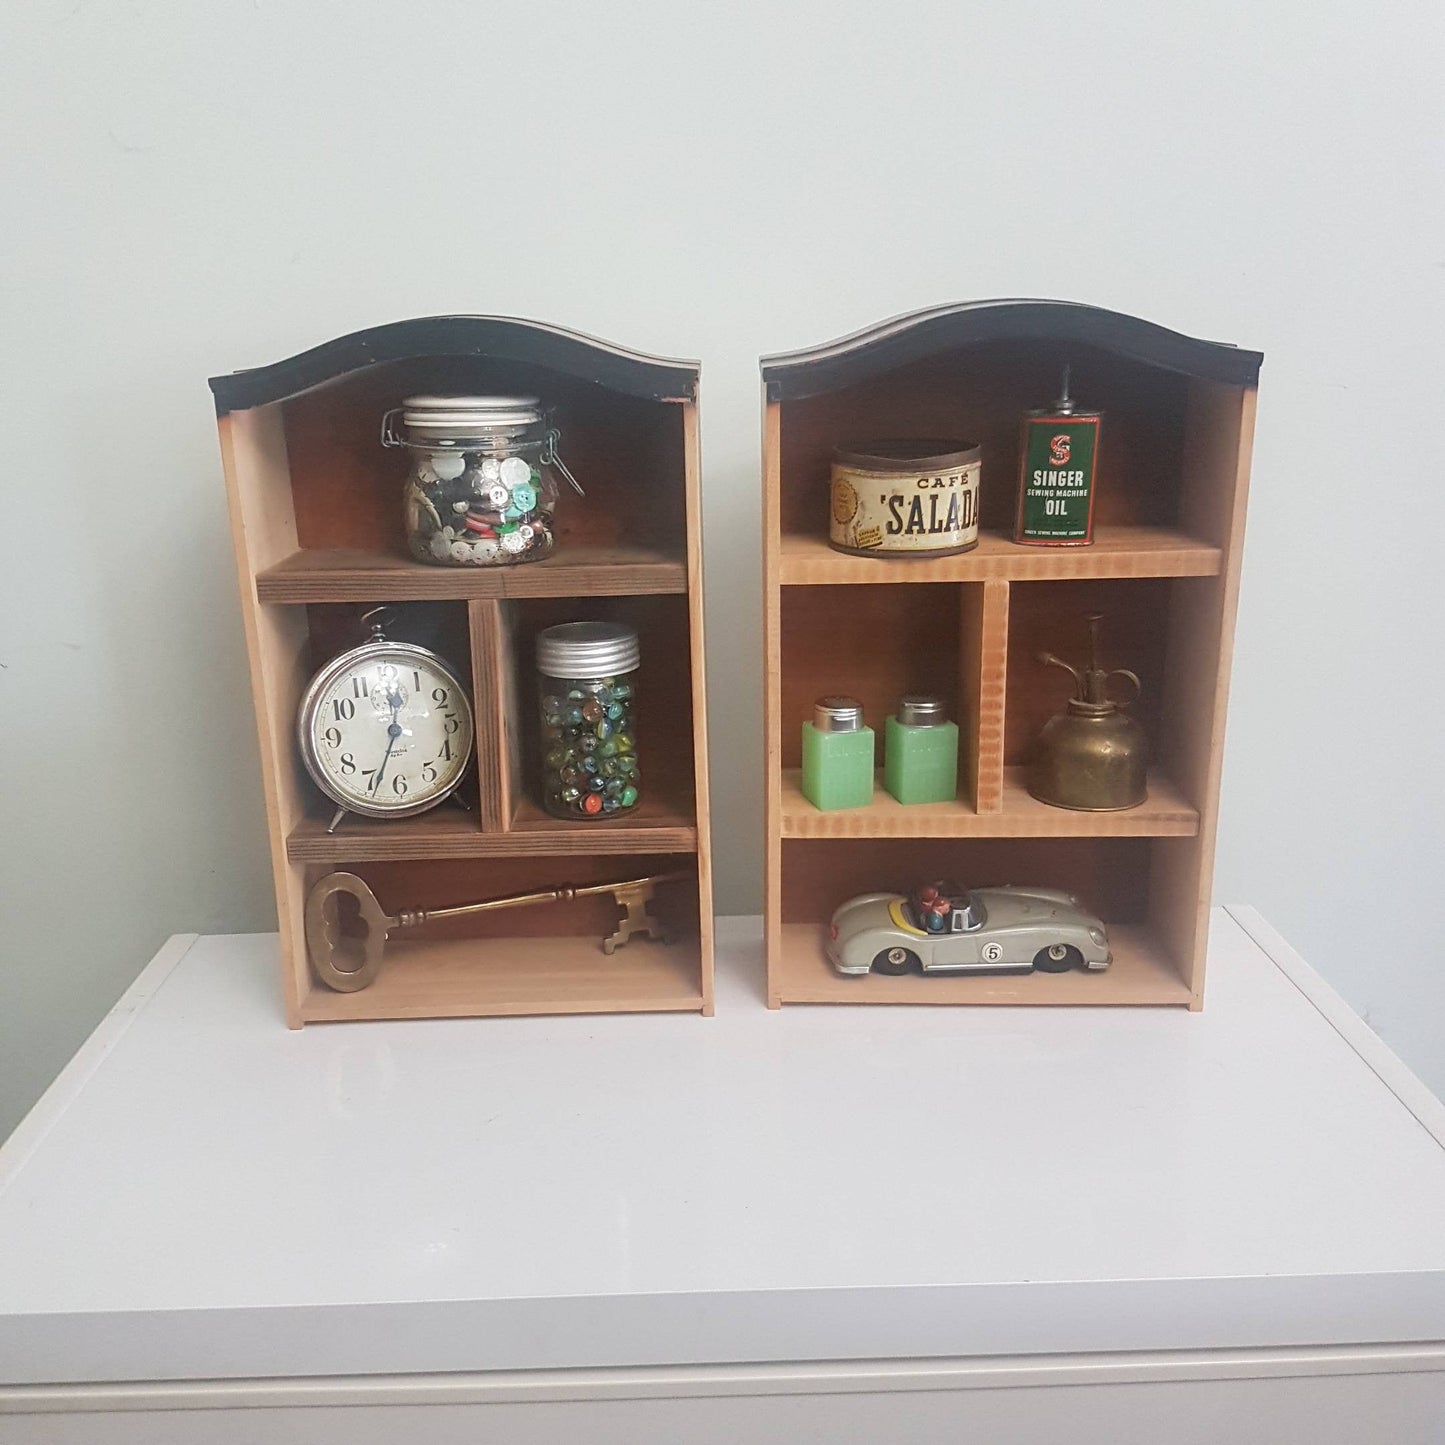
(1058, 958)
(895, 961)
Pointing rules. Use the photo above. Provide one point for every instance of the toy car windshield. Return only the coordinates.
(942, 908)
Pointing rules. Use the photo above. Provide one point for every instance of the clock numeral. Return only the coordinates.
(358, 687)
(348, 763)
(386, 673)
(439, 694)
(429, 773)
(452, 724)
(446, 751)
(344, 707)
(398, 785)
(331, 737)
(416, 680)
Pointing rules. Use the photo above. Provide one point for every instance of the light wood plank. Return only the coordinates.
(1141, 974)
(495, 704)
(1220, 440)
(449, 833)
(702, 836)
(1165, 813)
(772, 702)
(1117, 551)
(263, 528)
(468, 978)
(354, 575)
(990, 694)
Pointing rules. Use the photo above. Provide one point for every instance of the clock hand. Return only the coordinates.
(393, 732)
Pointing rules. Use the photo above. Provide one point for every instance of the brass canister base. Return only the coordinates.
(1090, 807)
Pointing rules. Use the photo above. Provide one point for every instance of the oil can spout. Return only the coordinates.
(1065, 404)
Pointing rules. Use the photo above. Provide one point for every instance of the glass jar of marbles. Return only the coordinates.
(588, 714)
(481, 488)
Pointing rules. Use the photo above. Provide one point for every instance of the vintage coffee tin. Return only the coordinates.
(914, 498)
(1059, 451)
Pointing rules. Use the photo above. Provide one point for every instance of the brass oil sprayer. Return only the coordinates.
(1092, 756)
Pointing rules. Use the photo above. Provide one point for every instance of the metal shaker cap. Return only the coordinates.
(921, 712)
(837, 714)
(587, 649)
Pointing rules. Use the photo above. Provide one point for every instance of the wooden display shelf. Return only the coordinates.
(1141, 974)
(350, 575)
(656, 827)
(1164, 814)
(315, 507)
(1117, 551)
(1163, 568)
(465, 977)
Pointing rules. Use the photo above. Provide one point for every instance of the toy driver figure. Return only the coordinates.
(933, 909)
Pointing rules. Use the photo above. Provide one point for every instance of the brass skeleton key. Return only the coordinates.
(347, 963)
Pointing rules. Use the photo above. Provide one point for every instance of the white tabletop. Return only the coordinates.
(206, 1194)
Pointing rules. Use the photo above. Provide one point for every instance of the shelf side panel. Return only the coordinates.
(772, 701)
(1200, 644)
(263, 530)
(692, 469)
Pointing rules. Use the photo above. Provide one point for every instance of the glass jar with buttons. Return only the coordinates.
(482, 485)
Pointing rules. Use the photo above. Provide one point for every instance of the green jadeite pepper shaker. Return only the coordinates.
(837, 755)
(920, 752)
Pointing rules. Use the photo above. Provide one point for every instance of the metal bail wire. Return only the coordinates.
(550, 458)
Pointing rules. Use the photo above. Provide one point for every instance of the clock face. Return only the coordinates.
(387, 729)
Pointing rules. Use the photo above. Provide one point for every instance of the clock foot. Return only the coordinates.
(332, 825)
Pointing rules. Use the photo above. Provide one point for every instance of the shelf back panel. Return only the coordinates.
(873, 642)
(1049, 617)
(1110, 875)
(626, 452)
(979, 394)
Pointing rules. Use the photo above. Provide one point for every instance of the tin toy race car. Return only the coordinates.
(941, 928)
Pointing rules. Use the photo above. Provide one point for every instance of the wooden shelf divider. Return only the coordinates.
(1118, 550)
(340, 574)
(494, 688)
(983, 689)
(1165, 814)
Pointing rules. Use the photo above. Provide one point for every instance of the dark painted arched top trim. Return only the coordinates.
(507, 338)
(792, 375)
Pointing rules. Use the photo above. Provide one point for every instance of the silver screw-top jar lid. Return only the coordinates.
(921, 712)
(443, 419)
(587, 649)
(837, 715)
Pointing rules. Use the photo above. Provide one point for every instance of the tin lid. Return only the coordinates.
(446, 417)
(838, 715)
(587, 649)
(921, 712)
(907, 454)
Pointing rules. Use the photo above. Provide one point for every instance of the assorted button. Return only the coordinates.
(478, 511)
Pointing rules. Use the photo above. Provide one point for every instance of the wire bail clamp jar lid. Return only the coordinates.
(476, 423)
(588, 650)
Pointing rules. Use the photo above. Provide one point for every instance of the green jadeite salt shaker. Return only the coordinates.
(920, 753)
(837, 755)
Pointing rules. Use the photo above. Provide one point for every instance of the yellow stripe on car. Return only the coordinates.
(900, 919)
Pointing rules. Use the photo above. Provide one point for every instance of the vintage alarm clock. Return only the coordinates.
(385, 730)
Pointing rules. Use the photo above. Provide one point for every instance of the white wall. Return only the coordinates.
(192, 188)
